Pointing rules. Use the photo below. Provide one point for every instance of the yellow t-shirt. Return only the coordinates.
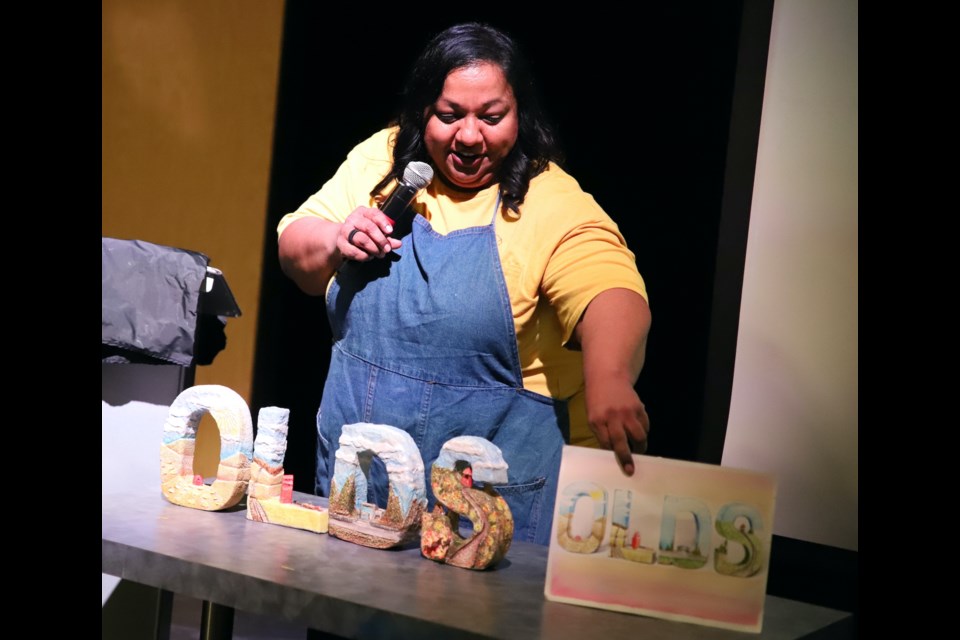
(557, 255)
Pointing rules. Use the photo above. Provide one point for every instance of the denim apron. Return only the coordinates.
(424, 341)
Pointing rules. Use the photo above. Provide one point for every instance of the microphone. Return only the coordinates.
(416, 176)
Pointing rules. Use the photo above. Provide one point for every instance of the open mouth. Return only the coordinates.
(467, 158)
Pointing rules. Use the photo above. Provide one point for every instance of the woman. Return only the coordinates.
(512, 296)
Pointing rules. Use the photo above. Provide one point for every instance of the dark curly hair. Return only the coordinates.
(461, 46)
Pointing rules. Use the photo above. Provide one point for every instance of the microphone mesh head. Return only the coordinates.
(418, 174)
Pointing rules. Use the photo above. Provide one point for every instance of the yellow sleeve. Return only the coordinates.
(591, 257)
(350, 186)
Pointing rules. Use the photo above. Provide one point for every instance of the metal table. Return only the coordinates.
(341, 588)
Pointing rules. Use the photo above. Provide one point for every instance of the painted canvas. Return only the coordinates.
(677, 540)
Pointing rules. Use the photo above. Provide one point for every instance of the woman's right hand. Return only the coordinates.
(311, 249)
(365, 235)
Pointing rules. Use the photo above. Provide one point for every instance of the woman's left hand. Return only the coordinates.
(617, 417)
(613, 336)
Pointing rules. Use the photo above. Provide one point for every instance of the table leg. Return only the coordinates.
(164, 611)
(216, 623)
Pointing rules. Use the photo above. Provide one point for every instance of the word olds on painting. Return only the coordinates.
(677, 540)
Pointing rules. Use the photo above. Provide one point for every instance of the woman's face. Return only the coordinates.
(472, 126)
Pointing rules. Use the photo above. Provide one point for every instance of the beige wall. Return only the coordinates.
(794, 408)
(188, 103)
